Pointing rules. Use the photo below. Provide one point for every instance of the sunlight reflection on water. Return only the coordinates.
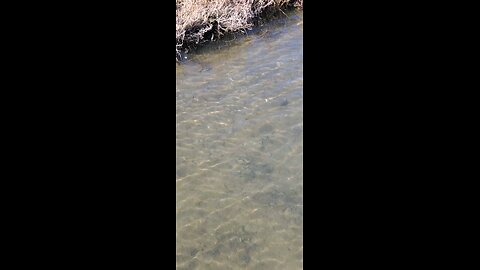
(239, 152)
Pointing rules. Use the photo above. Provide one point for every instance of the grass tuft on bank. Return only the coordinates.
(200, 21)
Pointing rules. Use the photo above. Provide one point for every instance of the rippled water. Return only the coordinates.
(239, 152)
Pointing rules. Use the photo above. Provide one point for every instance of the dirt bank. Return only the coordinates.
(200, 21)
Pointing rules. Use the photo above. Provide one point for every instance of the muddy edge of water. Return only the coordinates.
(198, 22)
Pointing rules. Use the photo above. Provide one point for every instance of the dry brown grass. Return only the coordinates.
(202, 20)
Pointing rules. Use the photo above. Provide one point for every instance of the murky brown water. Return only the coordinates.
(239, 152)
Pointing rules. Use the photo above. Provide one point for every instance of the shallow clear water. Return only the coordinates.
(239, 152)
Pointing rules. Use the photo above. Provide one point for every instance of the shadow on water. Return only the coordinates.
(239, 151)
(268, 30)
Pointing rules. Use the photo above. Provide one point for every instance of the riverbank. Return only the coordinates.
(200, 21)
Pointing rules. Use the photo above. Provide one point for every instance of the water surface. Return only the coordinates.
(239, 152)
